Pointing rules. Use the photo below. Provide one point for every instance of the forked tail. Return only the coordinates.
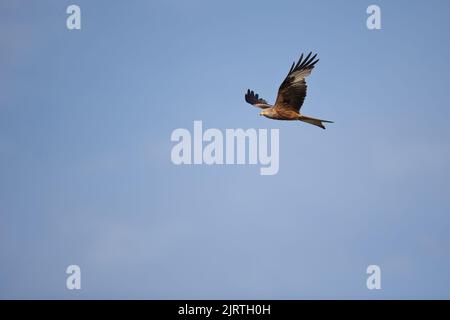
(314, 121)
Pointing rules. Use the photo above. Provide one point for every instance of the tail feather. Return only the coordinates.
(314, 121)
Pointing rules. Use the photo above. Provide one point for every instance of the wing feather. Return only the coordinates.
(292, 91)
(253, 98)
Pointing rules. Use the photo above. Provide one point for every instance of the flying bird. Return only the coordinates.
(291, 94)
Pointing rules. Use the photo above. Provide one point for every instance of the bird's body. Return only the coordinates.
(291, 94)
(275, 114)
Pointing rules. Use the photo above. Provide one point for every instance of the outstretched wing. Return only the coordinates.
(292, 91)
(256, 101)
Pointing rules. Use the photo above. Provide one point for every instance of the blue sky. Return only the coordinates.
(86, 176)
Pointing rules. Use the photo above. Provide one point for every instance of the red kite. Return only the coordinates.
(291, 95)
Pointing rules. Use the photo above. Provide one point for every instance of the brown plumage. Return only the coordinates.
(291, 94)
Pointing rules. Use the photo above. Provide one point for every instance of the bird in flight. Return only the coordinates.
(291, 94)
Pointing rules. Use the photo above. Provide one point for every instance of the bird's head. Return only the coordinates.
(266, 112)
